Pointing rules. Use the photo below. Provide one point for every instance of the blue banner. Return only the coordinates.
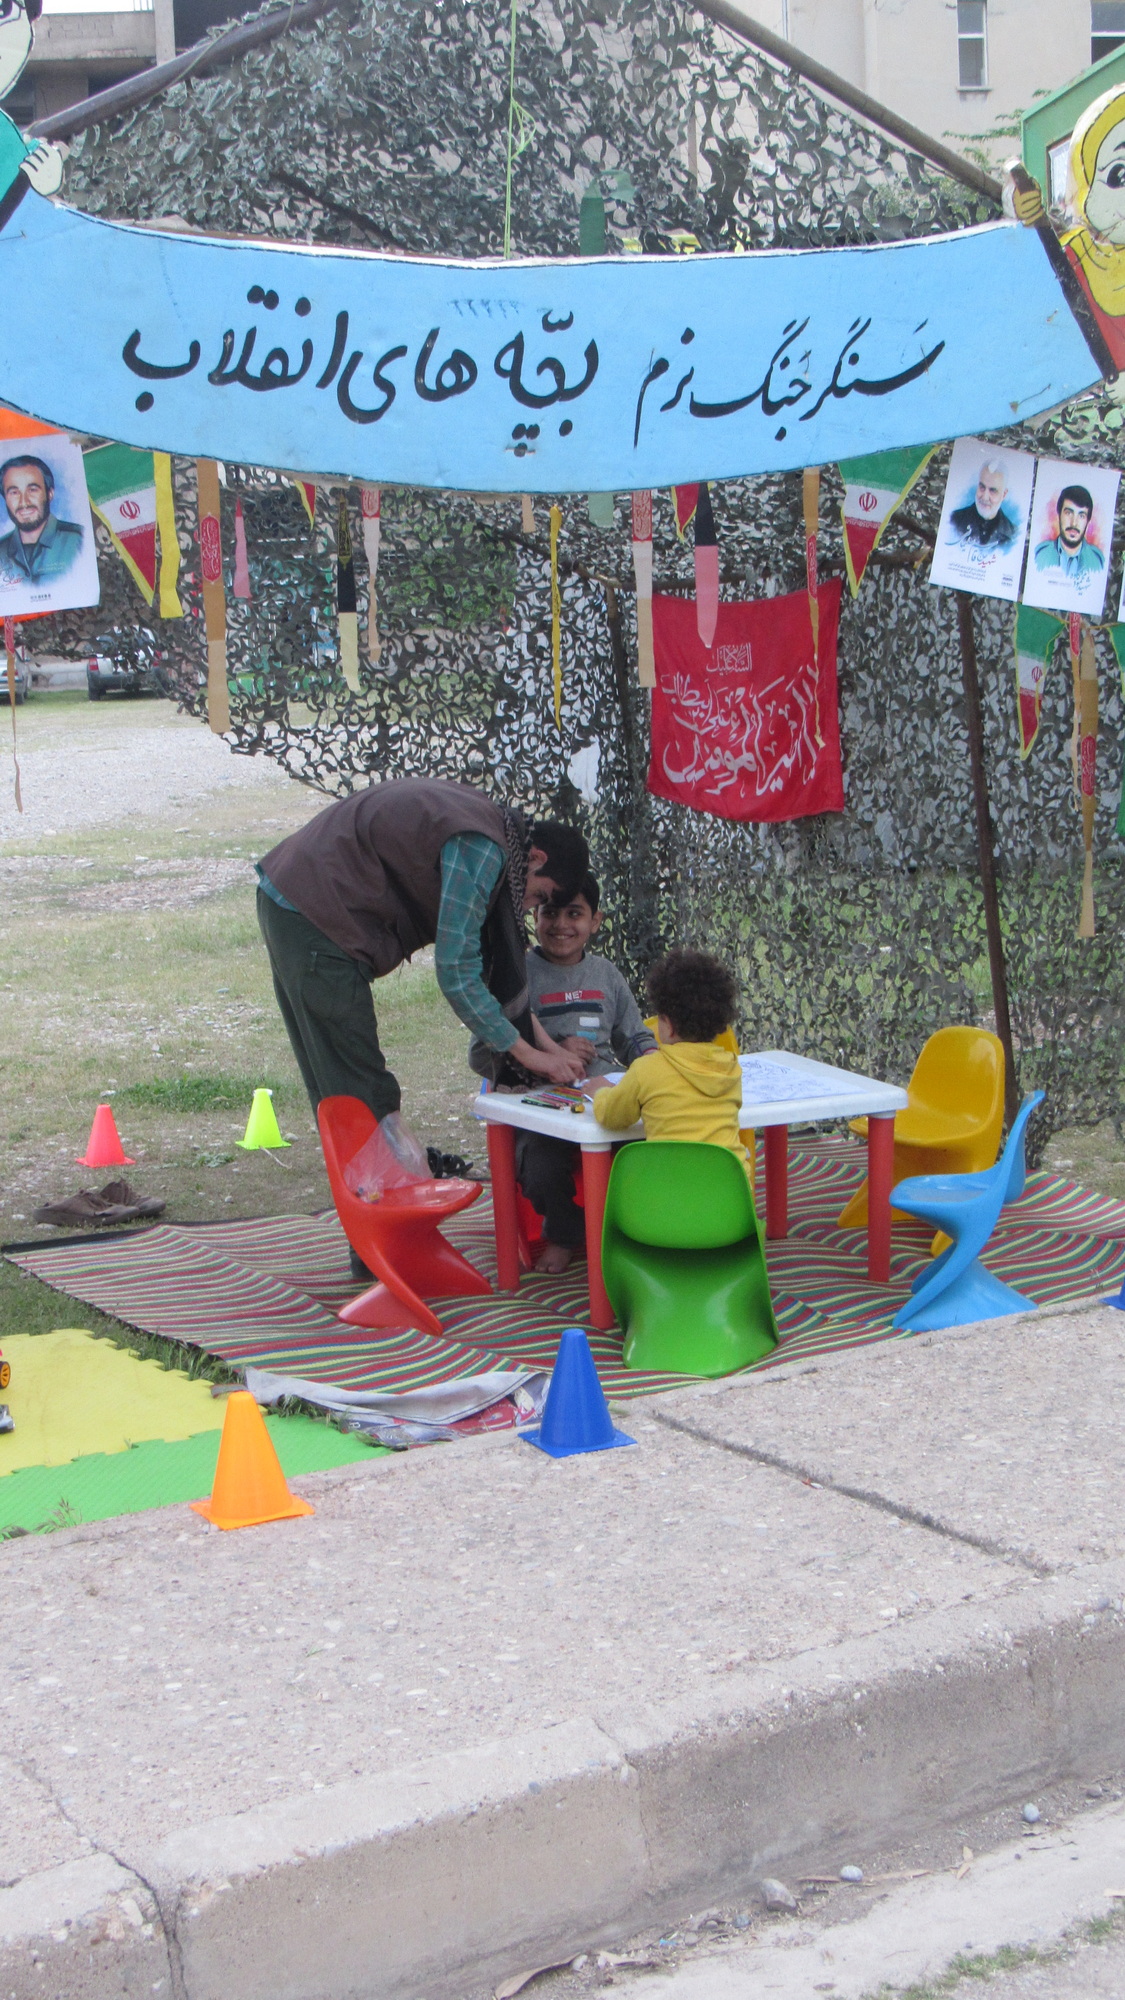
(599, 374)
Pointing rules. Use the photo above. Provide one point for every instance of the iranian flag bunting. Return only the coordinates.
(1117, 641)
(685, 500)
(122, 487)
(1035, 636)
(873, 488)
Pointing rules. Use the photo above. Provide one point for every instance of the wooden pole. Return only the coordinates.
(985, 850)
(636, 833)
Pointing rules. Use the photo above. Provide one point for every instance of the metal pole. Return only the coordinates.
(985, 851)
(740, 23)
(199, 60)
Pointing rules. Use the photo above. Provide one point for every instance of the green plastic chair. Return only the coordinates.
(683, 1260)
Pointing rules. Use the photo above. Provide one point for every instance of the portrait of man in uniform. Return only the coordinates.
(38, 547)
(1069, 550)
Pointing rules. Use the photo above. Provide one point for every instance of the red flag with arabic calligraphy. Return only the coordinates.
(734, 727)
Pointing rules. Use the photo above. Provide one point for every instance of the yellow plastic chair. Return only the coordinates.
(727, 1040)
(953, 1121)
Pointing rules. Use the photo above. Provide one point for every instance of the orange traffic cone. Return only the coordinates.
(249, 1484)
(103, 1147)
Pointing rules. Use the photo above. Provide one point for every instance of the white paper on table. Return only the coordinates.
(766, 1082)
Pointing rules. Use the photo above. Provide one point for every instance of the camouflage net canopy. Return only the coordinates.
(854, 935)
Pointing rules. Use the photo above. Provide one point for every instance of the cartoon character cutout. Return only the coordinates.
(40, 163)
(1096, 197)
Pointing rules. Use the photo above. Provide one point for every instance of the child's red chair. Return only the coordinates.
(398, 1237)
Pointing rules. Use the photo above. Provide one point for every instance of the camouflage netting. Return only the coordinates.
(854, 934)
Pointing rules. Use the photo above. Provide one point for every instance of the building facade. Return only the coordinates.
(78, 53)
(956, 68)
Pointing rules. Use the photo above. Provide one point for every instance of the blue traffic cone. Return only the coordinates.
(576, 1415)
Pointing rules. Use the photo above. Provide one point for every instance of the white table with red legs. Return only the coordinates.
(825, 1093)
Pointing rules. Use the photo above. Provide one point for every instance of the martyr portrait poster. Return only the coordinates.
(984, 516)
(1071, 536)
(48, 559)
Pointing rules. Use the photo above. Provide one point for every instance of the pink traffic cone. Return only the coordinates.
(103, 1147)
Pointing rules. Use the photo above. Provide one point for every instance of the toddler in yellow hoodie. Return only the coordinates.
(687, 1088)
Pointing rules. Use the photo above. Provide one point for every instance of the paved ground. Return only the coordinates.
(495, 1706)
(1029, 1921)
(115, 761)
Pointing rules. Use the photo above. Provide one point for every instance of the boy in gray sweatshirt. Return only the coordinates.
(585, 1005)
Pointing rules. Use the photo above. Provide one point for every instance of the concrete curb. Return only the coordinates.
(507, 1838)
(88, 1930)
(440, 1877)
(41, 1903)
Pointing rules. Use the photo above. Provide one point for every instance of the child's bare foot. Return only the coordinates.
(553, 1258)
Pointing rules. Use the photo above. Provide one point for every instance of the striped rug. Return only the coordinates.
(268, 1291)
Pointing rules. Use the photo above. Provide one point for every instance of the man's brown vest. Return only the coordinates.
(367, 870)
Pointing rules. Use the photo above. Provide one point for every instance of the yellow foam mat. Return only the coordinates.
(71, 1395)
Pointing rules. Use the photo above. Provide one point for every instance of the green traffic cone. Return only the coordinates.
(262, 1129)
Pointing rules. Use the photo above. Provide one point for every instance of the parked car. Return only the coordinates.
(23, 665)
(126, 663)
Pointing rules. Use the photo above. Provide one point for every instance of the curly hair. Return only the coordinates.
(693, 991)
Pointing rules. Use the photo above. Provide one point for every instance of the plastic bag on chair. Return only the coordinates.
(391, 1158)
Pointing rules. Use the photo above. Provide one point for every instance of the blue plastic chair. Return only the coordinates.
(955, 1288)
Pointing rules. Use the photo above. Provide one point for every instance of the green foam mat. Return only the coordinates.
(156, 1474)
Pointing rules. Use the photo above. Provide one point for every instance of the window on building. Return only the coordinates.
(20, 103)
(1058, 165)
(972, 44)
(1107, 27)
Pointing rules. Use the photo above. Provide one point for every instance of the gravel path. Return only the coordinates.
(85, 765)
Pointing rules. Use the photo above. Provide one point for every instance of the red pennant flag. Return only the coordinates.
(371, 509)
(642, 574)
(706, 568)
(241, 565)
(684, 500)
(346, 618)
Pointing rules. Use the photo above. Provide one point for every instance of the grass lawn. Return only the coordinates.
(133, 969)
